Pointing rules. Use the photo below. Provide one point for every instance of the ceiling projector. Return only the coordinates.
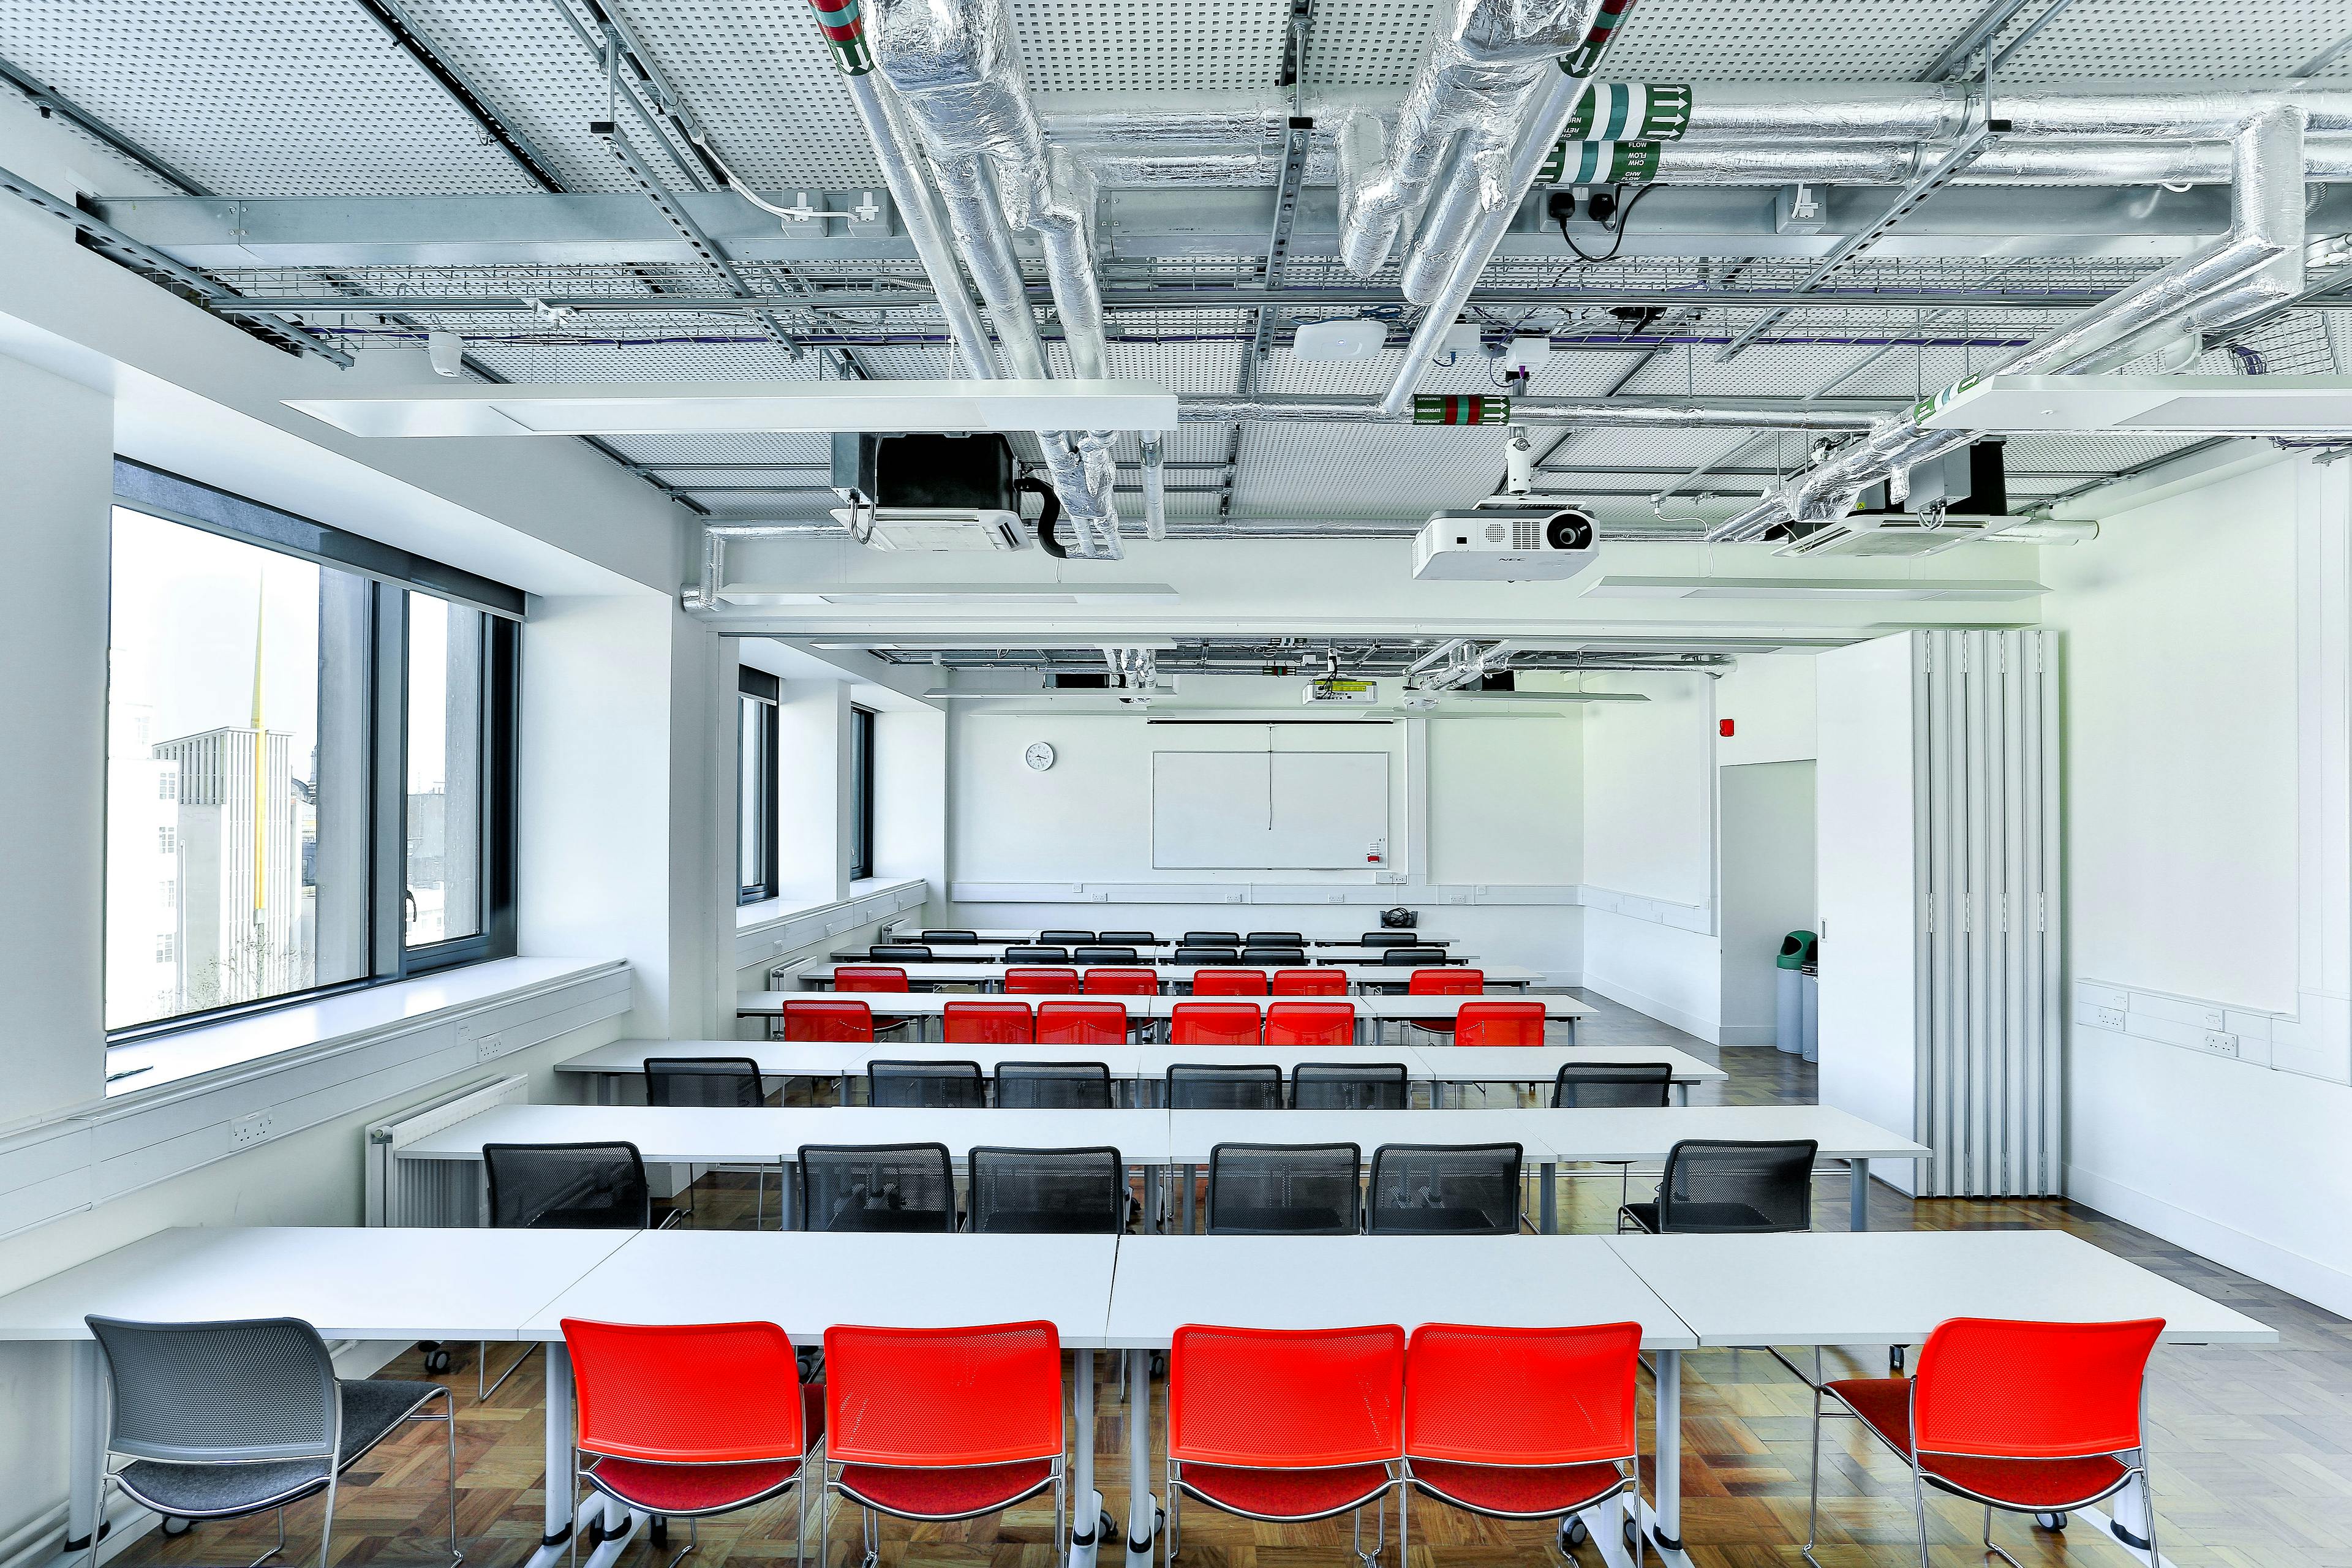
(1514, 543)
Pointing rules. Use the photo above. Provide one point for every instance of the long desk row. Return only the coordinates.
(1155, 1140)
(1327, 953)
(1371, 1011)
(941, 971)
(1001, 934)
(1439, 1067)
(1102, 1293)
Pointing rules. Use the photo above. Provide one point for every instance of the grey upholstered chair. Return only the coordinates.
(226, 1419)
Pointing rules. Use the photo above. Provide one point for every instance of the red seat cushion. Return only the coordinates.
(1515, 1491)
(1285, 1494)
(2038, 1485)
(690, 1489)
(911, 1492)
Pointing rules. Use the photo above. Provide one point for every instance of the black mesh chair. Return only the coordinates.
(949, 936)
(1420, 1189)
(1057, 1191)
(1412, 957)
(1276, 1189)
(937, 1086)
(1586, 1085)
(1275, 938)
(1210, 938)
(1348, 1086)
(711, 1081)
(899, 953)
(1199, 1086)
(1273, 957)
(1721, 1186)
(1065, 938)
(1035, 952)
(562, 1186)
(1133, 937)
(875, 1187)
(1389, 939)
(221, 1420)
(1211, 955)
(1097, 954)
(1052, 1085)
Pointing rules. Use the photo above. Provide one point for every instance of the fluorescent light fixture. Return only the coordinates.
(1618, 586)
(1110, 596)
(2209, 404)
(748, 408)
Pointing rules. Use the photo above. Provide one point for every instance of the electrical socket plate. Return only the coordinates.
(248, 1129)
(488, 1047)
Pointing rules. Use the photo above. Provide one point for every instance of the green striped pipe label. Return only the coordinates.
(1580, 61)
(1599, 163)
(842, 23)
(1461, 409)
(1631, 112)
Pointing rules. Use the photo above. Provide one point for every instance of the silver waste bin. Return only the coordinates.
(1811, 988)
(1789, 1012)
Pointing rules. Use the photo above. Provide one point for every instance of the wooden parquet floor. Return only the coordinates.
(2253, 1446)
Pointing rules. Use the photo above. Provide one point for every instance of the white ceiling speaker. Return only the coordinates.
(447, 352)
(1345, 337)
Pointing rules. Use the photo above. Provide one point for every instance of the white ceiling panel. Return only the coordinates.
(1337, 471)
(533, 362)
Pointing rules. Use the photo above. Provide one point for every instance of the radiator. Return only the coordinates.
(432, 1192)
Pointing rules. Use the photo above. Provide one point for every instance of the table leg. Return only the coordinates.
(1547, 1199)
(1858, 1207)
(557, 1516)
(1682, 1094)
(608, 1087)
(1086, 1505)
(786, 1219)
(85, 1460)
(1187, 1174)
(1667, 1485)
(1140, 1504)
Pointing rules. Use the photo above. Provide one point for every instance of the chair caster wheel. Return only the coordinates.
(595, 1532)
(438, 1360)
(2049, 1521)
(1634, 1539)
(1573, 1533)
(1106, 1529)
(175, 1528)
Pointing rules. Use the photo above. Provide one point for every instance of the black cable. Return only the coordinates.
(1046, 519)
(1617, 228)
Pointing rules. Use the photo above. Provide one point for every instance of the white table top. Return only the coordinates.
(805, 1282)
(1193, 1133)
(728, 1135)
(1167, 939)
(1424, 1063)
(1323, 1281)
(347, 1283)
(943, 970)
(1646, 1134)
(934, 1003)
(985, 951)
(1893, 1286)
(834, 1058)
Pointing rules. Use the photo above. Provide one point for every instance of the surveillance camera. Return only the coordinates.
(1569, 528)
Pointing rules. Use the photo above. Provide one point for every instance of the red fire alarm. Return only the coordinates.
(1723, 728)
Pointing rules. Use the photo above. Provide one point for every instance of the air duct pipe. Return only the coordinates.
(956, 71)
(1473, 89)
(1155, 487)
(2266, 225)
(1588, 413)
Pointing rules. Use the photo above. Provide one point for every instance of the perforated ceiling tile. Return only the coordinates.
(1180, 367)
(1328, 470)
(1149, 45)
(1765, 370)
(1185, 444)
(532, 362)
(2077, 453)
(537, 75)
(260, 98)
(1801, 41)
(1645, 449)
(1368, 43)
(666, 451)
(2186, 40)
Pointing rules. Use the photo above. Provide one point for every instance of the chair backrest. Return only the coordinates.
(1348, 1086)
(1310, 983)
(1037, 952)
(1198, 955)
(1132, 937)
(1096, 953)
(1215, 1023)
(868, 977)
(809, 1019)
(941, 935)
(1081, 1023)
(2016, 1390)
(1286, 1398)
(1210, 938)
(989, 1024)
(1530, 1396)
(987, 1394)
(1310, 1024)
(1493, 1022)
(686, 1393)
(1031, 979)
(1065, 938)
(953, 1086)
(567, 1186)
(1229, 983)
(1058, 1192)
(1121, 982)
(1423, 1189)
(1587, 1086)
(1273, 957)
(1052, 1085)
(1284, 1189)
(1714, 1185)
(1447, 980)
(875, 1187)
(703, 1080)
(1244, 1086)
(900, 952)
(236, 1392)
(1275, 938)
(1389, 939)
(1402, 957)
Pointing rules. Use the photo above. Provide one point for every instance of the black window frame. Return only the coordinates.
(766, 692)
(861, 792)
(391, 575)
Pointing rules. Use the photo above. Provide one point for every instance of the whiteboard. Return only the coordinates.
(1265, 811)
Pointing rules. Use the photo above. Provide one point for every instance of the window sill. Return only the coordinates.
(331, 1023)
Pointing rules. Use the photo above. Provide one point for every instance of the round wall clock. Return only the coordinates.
(1040, 755)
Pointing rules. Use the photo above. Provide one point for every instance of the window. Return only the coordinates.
(758, 694)
(283, 710)
(861, 793)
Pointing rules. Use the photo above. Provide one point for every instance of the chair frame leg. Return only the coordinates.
(1813, 1486)
(482, 1370)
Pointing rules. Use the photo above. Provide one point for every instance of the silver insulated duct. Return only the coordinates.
(958, 75)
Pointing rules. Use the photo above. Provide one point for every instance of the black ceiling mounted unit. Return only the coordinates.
(929, 492)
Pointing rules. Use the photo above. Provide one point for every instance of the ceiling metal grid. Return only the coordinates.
(1368, 43)
(1149, 45)
(1339, 470)
(2183, 39)
(1800, 40)
(1651, 448)
(536, 73)
(261, 98)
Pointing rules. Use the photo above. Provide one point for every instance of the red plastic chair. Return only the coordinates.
(1310, 983)
(1493, 1022)
(1229, 983)
(1310, 1024)
(1122, 983)
(1026, 981)
(1284, 1425)
(989, 1024)
(944, 1424)
(2027, 1417)
(680, 1420)
(812, 1018)
(1081, 1024)
(1534, 1423)
(872, 978)
(1453, 980)
(1215, 1023)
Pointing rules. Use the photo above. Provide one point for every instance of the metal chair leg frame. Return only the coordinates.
(1813, 1486)
(482, 1370)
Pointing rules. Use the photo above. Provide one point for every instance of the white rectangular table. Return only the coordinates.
(945, 972)
(1373, 1009)
(1007, 934)
(991, 951)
